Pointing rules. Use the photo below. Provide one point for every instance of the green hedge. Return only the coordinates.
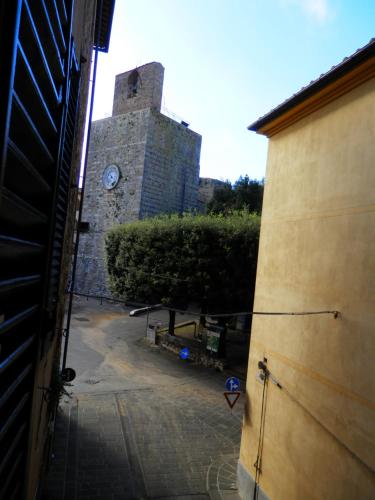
(207, 260)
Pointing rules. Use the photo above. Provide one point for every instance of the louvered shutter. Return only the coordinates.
(39, 82)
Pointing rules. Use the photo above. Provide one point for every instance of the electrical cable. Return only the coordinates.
(269, 375)
(174, 278)
(336, 314)
(258, 462)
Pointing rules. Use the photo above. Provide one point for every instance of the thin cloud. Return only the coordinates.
(318, 10)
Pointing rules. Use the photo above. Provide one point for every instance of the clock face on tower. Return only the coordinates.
(111, 176)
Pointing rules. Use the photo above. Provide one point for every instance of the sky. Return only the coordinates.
(229, 62)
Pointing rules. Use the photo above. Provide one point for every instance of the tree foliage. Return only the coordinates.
(245, 193)
(208, 260)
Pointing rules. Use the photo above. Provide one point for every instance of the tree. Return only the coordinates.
(208, 260)
(222, 200)
(245, 193)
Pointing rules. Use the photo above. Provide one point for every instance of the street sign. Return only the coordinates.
(232, 384)
(232, 398)
(213, 341)
(184, 353)
(213, 337)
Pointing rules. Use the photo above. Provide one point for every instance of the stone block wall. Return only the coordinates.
(171, 171)
(207, 187)
(119, 140)
(148, 93)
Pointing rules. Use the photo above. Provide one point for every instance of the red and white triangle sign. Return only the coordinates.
(232, 398)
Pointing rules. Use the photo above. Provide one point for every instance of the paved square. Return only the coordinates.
(167, 433)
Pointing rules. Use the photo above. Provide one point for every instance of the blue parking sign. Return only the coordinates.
(232, 384)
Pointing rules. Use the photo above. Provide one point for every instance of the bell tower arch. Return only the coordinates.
(138, 89)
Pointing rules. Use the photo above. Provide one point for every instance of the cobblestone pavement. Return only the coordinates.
(172, 439)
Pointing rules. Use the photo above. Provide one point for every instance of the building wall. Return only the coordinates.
(171, 173)
(149, 93)
(119, 140)
(206, 191)
(317, 250)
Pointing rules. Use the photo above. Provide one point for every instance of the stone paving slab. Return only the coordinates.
(144, 444)
(152, 426)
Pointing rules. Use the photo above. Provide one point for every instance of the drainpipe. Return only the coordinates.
(75, 255)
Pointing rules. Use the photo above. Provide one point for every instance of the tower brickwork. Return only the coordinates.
(139, 88)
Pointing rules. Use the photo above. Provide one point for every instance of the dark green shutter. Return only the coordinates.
(39, 83)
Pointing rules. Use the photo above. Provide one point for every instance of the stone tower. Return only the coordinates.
(138, 88)
(140, 163)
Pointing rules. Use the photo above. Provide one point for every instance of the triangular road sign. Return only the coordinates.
(232, 398)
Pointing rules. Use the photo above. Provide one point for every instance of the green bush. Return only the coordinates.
(207, 260)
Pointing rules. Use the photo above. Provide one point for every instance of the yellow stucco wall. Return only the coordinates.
(317, 250)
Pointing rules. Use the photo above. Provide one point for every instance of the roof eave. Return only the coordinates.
(351, 66)
(104, 24)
